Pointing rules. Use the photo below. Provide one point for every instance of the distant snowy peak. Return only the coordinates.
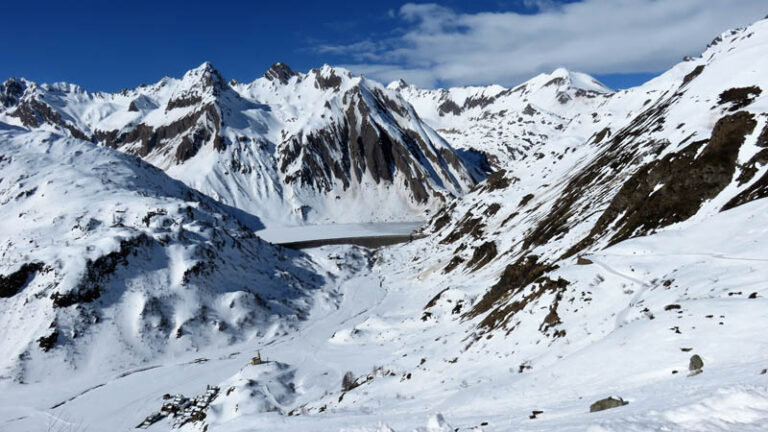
(564, 78)
(548, 90)
(197, 85)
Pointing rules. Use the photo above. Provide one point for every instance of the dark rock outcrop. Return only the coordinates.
(13, 283)
(279, 72)
(607, 403)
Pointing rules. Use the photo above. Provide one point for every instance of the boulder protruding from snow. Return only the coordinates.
(607, 403)
(695, 365)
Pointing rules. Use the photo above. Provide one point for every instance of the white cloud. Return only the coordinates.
(439, 45)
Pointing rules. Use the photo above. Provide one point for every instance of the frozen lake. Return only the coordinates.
(292, 234)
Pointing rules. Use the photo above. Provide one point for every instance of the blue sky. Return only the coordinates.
(112, 45)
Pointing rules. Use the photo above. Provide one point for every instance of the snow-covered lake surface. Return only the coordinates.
(288, 234)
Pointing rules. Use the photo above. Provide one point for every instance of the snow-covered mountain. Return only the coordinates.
(619, 250)
(288, 147)
(509, 125)
(106, 262)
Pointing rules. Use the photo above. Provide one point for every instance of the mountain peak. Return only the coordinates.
(562, 77)
(280, 72)
(11, 91)
(398, 85)
(207, 75)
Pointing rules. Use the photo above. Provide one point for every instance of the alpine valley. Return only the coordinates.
(587, 259)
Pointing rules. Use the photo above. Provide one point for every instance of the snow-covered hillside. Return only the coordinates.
(288, 147)
(107, 263)
(620, 250)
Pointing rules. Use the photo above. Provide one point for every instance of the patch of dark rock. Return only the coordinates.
(693, 74)
(535, 414)
(279, 72)
(468, 225)
(753, 295)
(434, 299)
(553, 319)
(492, 209)
(457, 308)
(482, 255)
(501, 299)
(183, 102)
(526, 199)
(509, 218)
(478, 101)
(455, 262)
(198, 269)
(46, 343)
(13, 283)
(755, 191)
(34, 113)
(497, 180)
(529, 110)
(739, 97)
(148, 217)
(26, 194)
(670, 307)
(602, 135)
(750, 168)
(607, 403)
(448, 107)
(332, 81)
(11, 92)
(580, 260)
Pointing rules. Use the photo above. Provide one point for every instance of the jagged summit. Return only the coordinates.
(398, 84)
(279, 72)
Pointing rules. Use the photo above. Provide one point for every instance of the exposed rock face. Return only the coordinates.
(11, 284)
(673, 188)
(11, 92)
(607, 403)
(279, 72)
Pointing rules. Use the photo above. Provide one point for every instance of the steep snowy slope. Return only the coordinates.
(289, 147)
(106, 262)
(510, 125)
